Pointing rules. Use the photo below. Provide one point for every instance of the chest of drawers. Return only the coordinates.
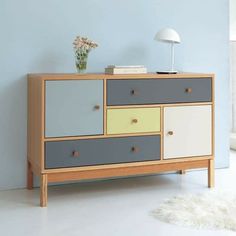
(99, 126)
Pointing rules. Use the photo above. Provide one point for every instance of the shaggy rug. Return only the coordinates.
(211, 210)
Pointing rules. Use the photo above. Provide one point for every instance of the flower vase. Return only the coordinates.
(81, 61)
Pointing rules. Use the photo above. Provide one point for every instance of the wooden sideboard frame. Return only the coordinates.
(36, 137)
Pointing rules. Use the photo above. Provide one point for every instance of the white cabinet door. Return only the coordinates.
(187, 131)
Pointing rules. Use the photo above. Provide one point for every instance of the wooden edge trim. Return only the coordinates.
(125, 171)
(95, 76)
(213, 114)
(160, 105)
(43, 115)
(101, 136)
(105, 107)
(125, 165)
(162, 133)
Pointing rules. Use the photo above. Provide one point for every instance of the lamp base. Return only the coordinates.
(167, 72)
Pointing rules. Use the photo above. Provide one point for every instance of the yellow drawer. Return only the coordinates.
(133, 120)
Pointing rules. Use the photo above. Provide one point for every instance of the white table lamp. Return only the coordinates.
(168, 35)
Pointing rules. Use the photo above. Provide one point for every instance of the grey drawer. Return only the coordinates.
(101, 151)
(149, 91)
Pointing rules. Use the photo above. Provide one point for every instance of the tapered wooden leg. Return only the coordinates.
(30, 177)
(211, 174)
(182, 172)
(43, 190)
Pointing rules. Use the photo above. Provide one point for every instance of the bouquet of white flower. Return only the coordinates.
(82, 47)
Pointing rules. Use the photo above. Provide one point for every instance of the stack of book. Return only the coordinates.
(116, 70)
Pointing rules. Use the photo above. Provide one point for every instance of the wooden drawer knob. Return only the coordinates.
(188, 90)
(96, 107)
(75, 154)
(170, 132)
(134, 92)
(135, 121)
(135, 149)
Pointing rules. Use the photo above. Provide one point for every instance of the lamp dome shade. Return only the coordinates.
(168, 35)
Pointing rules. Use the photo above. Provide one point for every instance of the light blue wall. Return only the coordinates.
(36, 36)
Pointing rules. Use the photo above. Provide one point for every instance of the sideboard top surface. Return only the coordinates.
(72, 76)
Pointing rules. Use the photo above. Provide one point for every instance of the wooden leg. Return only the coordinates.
(30, 177)
(43, 190)
(211, 174)
(182, 172)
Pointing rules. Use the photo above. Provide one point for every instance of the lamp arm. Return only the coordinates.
(172, 56)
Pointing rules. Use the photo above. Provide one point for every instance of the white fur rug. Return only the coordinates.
(211, 210)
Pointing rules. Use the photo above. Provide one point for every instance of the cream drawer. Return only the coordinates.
(133, 120)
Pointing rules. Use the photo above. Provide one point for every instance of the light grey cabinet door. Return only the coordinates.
(73, 108)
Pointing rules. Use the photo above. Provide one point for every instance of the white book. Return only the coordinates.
(118, 71)
(130, 66)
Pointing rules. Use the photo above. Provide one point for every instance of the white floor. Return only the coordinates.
(113, 207)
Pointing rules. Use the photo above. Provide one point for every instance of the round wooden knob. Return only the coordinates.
(135, 149)
(75, 153)
(134, 92)
(96, 107)
(188, 90)
(170, 133)
(135, 121)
